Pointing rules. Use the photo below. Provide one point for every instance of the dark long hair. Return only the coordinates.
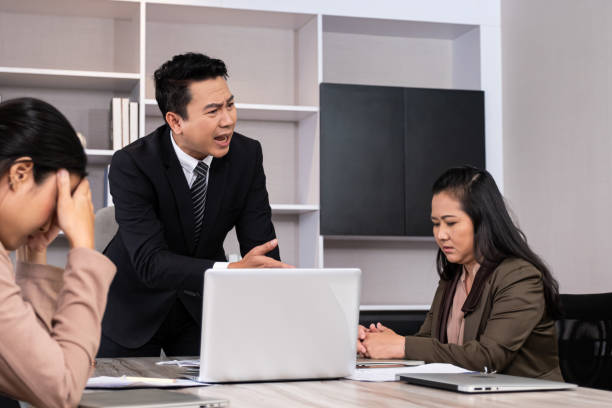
(496, 237)
(31, 127)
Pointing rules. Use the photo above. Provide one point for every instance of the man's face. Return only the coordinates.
(211, 117)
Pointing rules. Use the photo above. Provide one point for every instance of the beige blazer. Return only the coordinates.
(509, 331)
(50, 326)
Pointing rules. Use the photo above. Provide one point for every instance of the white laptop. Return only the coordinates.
(279, 324)
(480, 383)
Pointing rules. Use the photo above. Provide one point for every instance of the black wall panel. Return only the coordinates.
(444, 128)
(362, 165)
(383, 147)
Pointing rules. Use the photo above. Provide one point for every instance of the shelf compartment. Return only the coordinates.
(89, 35)
(271, 57)
(413, 53)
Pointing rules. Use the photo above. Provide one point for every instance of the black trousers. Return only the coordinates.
(179, 335)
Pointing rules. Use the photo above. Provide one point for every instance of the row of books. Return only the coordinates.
(124, 122)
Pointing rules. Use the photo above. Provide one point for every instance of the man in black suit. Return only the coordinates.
(177, 193)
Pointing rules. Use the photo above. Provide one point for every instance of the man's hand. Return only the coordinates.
(256, 258)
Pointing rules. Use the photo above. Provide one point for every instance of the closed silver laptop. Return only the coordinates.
(279, 324)
(479, 382)
(148, 398)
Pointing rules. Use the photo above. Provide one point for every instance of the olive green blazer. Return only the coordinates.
(509, 331)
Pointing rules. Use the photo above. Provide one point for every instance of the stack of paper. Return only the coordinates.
(389, 374)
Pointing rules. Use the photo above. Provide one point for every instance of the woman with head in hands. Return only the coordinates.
(496, 300)
(49, 317)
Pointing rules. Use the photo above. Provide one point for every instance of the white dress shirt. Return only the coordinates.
(189, 164)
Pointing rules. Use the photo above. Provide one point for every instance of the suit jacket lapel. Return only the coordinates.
(436, 309)
(472, 320)
(214, 197)
(180, 189)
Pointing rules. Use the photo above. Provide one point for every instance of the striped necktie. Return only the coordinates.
(198, 196)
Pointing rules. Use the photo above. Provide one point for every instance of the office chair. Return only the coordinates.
(585, 340)
(402, 322)
(106, 227)
(6, 402)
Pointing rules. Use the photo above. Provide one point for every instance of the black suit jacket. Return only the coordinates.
(157, 261)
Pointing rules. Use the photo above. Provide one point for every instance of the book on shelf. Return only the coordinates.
(82, 139)
(133, 122)
(116, 137)
(125, 121)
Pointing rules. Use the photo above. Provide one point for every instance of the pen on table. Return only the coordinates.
(152, 380)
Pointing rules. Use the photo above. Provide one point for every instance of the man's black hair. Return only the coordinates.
(173, 78)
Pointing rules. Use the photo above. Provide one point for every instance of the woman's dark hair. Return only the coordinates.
(173, 78)
(496, 237)
(31, 127)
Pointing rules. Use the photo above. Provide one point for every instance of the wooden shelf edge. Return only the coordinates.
(70, 72)
(293, 208)
(99, 152)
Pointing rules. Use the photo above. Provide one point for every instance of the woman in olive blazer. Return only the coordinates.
(496, 300)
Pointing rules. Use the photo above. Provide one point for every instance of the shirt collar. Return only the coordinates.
(464, 273)
(188, 163)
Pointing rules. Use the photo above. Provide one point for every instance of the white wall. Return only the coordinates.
(385, 60)
(557, 87)
(393, 272)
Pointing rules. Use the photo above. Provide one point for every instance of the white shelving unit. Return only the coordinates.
(78, 54)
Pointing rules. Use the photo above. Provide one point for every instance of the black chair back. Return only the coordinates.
(402, 322)
(6, 402)
(585, 340)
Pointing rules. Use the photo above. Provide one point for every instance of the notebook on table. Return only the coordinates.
(474, 382)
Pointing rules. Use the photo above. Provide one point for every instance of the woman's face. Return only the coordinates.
(452, 228)
(25, 206)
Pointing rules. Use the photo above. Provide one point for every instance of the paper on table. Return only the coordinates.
(139, 382)
(388, 374)
(180, 363)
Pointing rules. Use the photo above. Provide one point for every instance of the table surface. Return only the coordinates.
(346, 393)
